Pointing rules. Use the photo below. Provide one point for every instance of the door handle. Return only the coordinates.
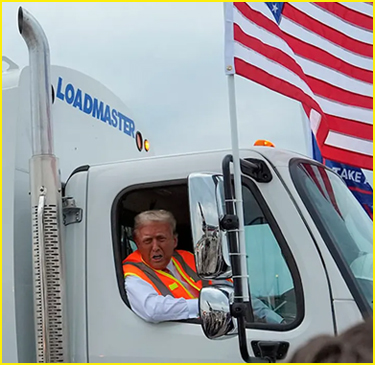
(270, 350)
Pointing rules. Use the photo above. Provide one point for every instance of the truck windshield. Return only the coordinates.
(343, 224)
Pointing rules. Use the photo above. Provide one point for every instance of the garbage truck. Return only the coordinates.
(77, 169)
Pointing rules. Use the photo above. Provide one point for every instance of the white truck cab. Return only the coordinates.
(308, 242)
(302, 255)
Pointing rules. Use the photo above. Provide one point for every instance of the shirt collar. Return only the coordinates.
(170, 266)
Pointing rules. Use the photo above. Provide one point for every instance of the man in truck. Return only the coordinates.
(161, 282)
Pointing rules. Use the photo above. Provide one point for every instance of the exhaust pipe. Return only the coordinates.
(46, 204)
(40, 81)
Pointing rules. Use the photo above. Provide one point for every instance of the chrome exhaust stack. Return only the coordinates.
(40, 81)
(45, 186)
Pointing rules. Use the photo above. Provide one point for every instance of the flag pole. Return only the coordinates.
(238, 187)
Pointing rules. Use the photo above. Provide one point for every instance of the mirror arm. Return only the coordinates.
(243, 345)
(239, 309)
(242, 340)
(228, 194)
(230, 220)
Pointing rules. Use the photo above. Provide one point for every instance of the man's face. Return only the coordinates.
(156, 243)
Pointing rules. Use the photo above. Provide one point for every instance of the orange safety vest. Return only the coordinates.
(164, 283)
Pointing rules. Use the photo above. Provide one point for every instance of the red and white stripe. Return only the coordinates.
(319, 54)
(320, 177)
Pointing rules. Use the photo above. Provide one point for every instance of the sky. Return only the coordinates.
(166, 62)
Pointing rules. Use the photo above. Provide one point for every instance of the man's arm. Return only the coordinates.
(152, 307)
(264, 312)
(260, 309)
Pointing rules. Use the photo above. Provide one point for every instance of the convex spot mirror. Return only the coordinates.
(206, 200)
(214, 309)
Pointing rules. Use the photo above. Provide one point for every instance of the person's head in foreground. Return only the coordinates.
(352, 346)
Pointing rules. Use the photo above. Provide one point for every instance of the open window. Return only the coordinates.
(168, 195)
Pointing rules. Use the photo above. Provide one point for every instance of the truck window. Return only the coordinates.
(270, 278)
(271, 282)
(171, 196)
(343, 224)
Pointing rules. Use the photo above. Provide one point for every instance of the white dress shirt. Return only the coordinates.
(148, 304)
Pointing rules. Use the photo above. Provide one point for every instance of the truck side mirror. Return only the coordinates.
(214, 308)
(206, 200)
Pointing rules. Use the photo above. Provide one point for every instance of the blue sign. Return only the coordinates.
(94, 107)
(354, 177)
(357, 183)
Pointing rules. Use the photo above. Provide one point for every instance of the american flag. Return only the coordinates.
(317, 53)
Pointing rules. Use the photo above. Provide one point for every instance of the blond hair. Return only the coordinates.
(160, 215)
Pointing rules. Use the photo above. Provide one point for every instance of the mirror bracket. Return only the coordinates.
(241, 310)
(229, 222)
(257, 169)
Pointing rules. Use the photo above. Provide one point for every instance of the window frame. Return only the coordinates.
(286, 252)
(116, 237)
(337, 256)
(289, 260)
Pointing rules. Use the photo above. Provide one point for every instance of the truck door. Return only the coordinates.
(289, 286)
(115, 332)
